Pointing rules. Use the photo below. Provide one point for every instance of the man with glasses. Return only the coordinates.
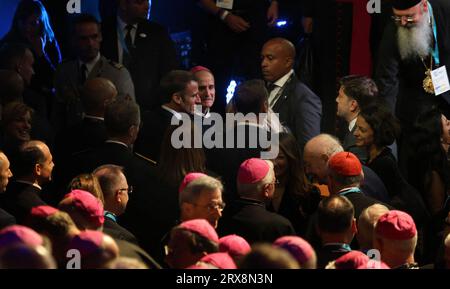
(414, 44)
(116, 192)
(202, 199)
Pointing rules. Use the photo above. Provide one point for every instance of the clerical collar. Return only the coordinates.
(29, 183)
(349, 190)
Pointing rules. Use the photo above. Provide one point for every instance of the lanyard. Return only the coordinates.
(435, 51)
(345, 192)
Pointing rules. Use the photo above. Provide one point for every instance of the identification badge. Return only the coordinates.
(225, 4)
(440, 80)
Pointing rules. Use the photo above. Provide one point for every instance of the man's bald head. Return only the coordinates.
(11, 86)
(366, 223)
(283, 45)
(316, 154)
(96, 93)
(277, 58)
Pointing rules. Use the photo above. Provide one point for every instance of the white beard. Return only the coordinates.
(415, 41)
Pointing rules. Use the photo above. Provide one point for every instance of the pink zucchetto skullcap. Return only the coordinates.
(198, 68)
(252, 171)
(88, 204)
(396, 225)
(87, 242)
(43, 211)
(297, 247)
(188, 179)
(351, 260)
(234, 245)
(201, 227)
(220, 260)
(18, 234)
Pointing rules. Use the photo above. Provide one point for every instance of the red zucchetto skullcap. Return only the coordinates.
(404, 4)
(345, 164)
(252, 171)
(188, 179)
(201, 227)
(198, 68)
(396, 225)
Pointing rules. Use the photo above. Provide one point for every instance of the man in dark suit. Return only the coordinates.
(6, 219)
(32, 166)
(355, 92)
(298, 107)
(144, 47)
(116, 193)
(248, 216)
(336, 225)
(179, 90)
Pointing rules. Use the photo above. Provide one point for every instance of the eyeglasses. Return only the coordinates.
(398, 19)
(129, 190)
(212, 207)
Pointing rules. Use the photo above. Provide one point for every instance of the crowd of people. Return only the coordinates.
(89, 161)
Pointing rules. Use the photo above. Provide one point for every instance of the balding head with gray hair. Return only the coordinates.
(316, 154)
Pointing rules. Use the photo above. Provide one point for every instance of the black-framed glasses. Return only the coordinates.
(129, 190)
(213, 207)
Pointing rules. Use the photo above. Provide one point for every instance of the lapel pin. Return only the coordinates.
(143, 35)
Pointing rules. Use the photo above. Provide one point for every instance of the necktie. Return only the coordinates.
(128, 39)
(127, 51)
(83, 71)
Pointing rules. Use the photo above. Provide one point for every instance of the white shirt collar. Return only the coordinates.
(282, 81)
(29, 183)
(122, 24)
(94, 117)
(91, 64)
(352, 124)
(175, 113)
(117, 142)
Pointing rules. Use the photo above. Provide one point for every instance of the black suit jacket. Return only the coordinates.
(151, 134)
(153, 56)
(300, 110)
(6, 219)
(251, 220)
(20, 198)
(118, 232)
(328, 253)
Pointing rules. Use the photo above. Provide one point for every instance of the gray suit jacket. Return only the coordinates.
(67, 109)
(300, 110)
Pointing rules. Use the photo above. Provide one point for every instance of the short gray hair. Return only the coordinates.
(194, 189)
